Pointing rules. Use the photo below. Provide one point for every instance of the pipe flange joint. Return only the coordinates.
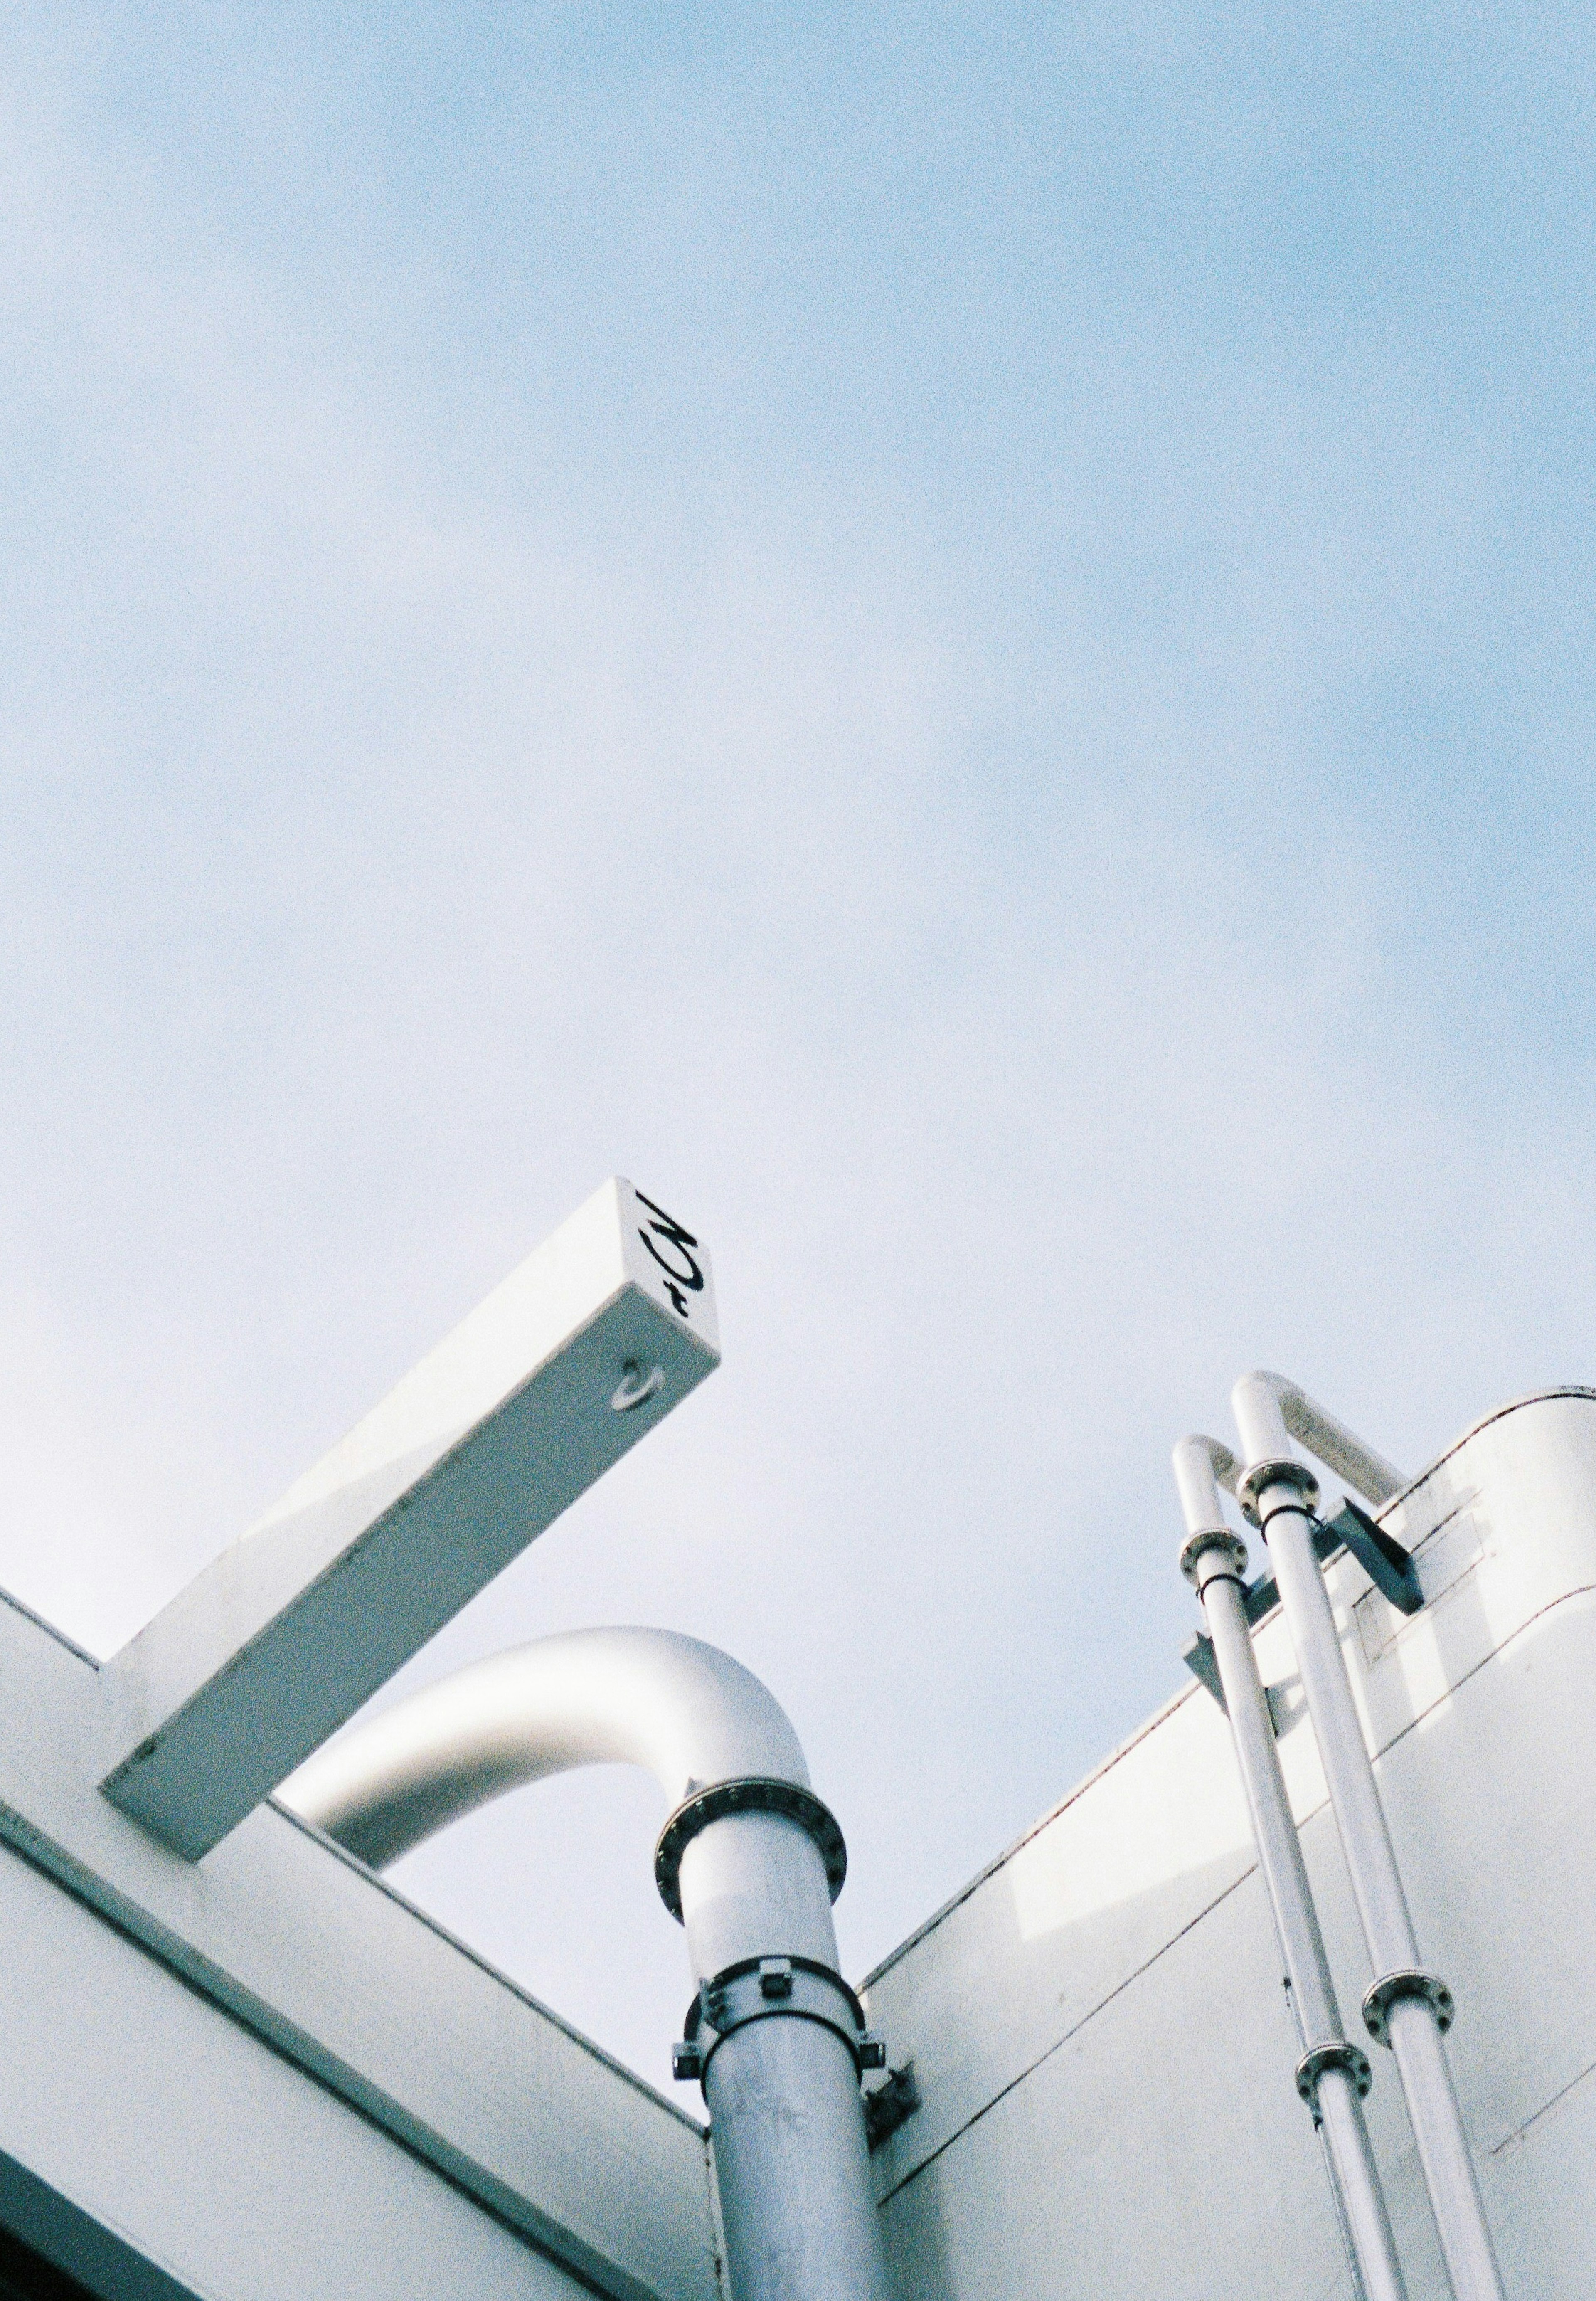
(761, 1988)
(1407, 1982)
(1274, 1470)
(747, 1794)
(1204, 1542)
(1333, 2053)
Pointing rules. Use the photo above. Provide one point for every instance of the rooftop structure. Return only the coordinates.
(239, 2065)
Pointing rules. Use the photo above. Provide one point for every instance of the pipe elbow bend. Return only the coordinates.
(1202, 1465)
(686, 1712)
(1269, 1406)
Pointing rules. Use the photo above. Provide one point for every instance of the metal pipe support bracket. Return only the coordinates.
(760, 1988)
(1407, 1982)
(747, 1794)
(1389, 1567)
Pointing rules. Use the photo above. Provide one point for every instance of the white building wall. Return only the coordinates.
(265, 2073)
(1098, 2026)
(167, 2126)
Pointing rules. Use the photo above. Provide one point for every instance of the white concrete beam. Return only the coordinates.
(132, 2005)
(601, 1331)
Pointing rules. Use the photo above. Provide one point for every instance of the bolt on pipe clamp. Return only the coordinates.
(756, 1988)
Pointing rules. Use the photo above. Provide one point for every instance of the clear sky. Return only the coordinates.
(961, 639)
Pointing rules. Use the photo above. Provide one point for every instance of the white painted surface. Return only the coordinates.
(284, 1636)
(288, 1944)
(1097, 2024)
(206, 2152)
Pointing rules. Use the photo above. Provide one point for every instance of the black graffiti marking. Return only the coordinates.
(668, 1228)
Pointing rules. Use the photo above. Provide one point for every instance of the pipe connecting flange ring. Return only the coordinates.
(1274, 1470)
(1335, 2053)
(1408, 1981)
(758, 1989)
(748, 1794)
(1210, 1538)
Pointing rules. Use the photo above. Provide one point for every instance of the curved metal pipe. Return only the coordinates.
(1201, 1467)
(681, 1708)
(786, 2122)
(1326, 1437)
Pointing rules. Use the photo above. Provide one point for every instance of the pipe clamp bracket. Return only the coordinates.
(748, 1794)
(1407, 1982)
(759, 1988)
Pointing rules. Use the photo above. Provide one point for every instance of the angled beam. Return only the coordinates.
(1389, 1567)
(601, 1331)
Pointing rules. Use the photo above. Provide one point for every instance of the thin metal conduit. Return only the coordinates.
(1330, 1442)
(1331, 2074)
(750, 1883)
(1408, 2008)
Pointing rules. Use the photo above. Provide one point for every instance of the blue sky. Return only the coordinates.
(961, 642)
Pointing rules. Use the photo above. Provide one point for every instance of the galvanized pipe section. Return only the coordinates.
(1332, 2072)
(792, 2166)
(787, 2123)
(1407, 2007)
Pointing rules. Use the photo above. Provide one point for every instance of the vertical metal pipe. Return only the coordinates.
(1331, 2074)
(1407, 2007)
(750, 1884)
(786, 2122)
(791, 2166)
